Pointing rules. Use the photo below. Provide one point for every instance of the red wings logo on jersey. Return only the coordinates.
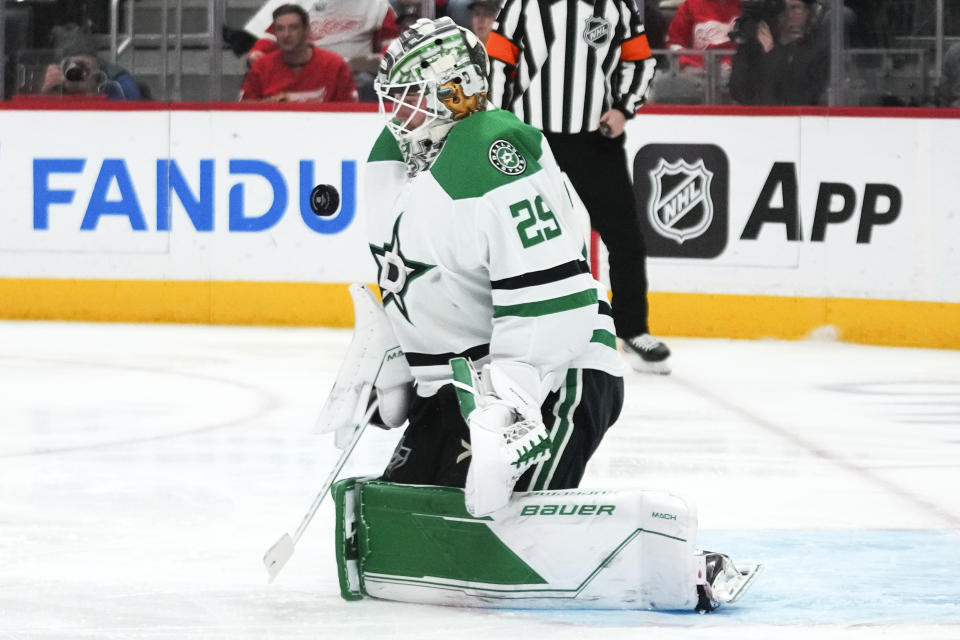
(327, 26)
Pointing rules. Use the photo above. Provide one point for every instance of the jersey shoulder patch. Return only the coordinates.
(385, 149)
(485, 151)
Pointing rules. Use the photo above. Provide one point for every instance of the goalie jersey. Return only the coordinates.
(483, 256)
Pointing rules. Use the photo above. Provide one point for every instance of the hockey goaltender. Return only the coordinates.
(494, 345)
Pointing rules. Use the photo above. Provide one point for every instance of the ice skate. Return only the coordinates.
(724, 582)
(647, 354)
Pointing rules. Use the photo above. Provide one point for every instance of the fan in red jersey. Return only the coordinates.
(298, 71)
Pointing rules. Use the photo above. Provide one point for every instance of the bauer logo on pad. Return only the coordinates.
(568, 509)
(682, 192)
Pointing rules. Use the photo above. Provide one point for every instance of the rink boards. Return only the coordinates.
(759, 223)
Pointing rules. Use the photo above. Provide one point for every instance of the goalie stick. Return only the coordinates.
(373, 367)
(282, 550)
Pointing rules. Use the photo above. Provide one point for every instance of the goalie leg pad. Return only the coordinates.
(345, 493)
(572, 548)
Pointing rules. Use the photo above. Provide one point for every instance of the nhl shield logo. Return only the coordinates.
(596, 31)
(680, 207)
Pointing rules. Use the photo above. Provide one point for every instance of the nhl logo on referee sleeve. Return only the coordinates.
(506, 159)
(596, 31)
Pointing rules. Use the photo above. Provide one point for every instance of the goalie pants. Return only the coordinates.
(435, 449)
(597, 167)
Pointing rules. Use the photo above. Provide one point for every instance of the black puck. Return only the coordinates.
(324, 200)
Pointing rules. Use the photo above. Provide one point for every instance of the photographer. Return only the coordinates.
(781, 60)
(81, 73)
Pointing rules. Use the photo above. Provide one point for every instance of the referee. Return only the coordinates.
(577, 70)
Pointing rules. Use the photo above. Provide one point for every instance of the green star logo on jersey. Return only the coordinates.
(395, 272)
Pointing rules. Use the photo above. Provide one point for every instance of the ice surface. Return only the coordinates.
(144, 470)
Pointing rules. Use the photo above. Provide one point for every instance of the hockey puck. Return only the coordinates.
(324, 200)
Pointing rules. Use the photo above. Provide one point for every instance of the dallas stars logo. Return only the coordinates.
(506, 159)
(395, 272)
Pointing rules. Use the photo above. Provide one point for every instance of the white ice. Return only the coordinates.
(144, 470)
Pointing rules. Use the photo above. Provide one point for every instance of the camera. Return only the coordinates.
(752, 12)
(75, 70)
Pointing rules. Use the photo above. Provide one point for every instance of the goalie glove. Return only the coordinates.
(507, 434)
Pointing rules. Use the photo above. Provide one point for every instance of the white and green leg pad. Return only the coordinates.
(574, 548)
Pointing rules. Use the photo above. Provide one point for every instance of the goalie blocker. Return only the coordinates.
(573, 548)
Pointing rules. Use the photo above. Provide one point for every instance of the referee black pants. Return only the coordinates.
(435, 448)
(597, 167)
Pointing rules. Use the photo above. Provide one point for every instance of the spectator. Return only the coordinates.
(697, 24)
(298, 71)
(357, 30)
(483, 13)
(703, 24)
(949, 89)
(80, 72)
(787, 63)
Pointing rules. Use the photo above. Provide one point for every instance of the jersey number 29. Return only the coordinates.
(535, 223)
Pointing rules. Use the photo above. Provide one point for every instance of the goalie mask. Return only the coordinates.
(433, 75)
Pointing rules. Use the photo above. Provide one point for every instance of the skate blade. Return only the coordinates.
(642, 366)
(734, 587)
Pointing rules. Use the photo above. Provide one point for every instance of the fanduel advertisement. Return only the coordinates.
(199, 201)
(181, 195)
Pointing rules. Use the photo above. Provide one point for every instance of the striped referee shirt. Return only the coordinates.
(560, 64)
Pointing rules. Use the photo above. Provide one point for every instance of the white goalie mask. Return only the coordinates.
(433, 75)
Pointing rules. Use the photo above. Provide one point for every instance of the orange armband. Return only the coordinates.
(635, 48)
(502, 49)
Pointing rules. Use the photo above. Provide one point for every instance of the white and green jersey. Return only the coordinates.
(482, 256)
